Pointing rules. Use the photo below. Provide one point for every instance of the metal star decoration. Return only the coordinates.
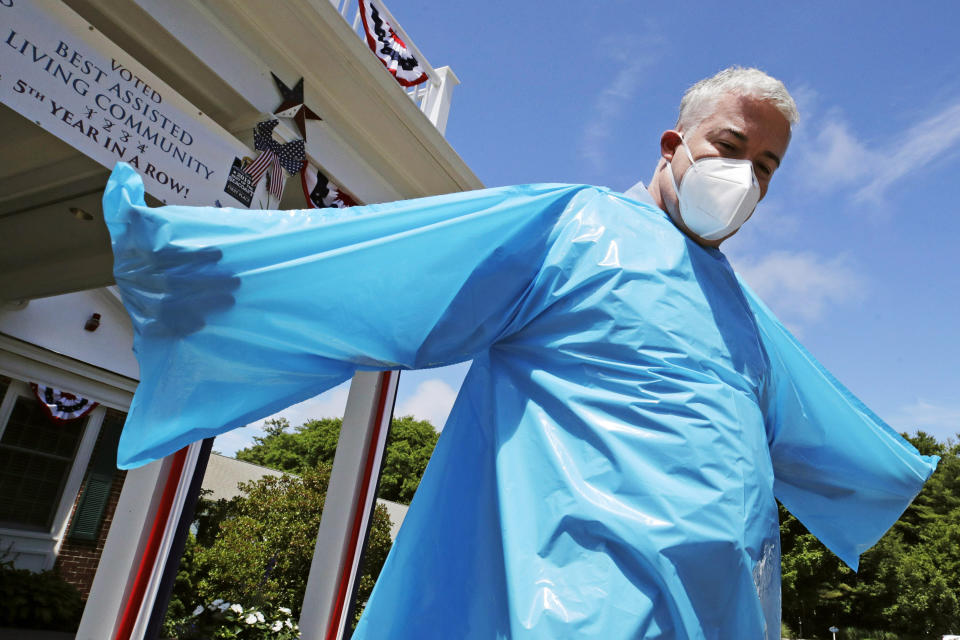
(292, 105)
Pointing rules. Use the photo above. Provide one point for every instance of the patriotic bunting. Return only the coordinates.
(320, 192)
(277, 156)
(61, 406)
(388, 47)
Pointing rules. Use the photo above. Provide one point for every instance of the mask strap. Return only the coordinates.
(693, 163)
(685, 147)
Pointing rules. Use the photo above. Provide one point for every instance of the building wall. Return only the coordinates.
(77, 560)
(57, 323)
(45, 342)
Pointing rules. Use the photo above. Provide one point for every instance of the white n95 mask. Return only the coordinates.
(716, 195)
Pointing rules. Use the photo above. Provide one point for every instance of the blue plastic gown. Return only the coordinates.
(610, 466)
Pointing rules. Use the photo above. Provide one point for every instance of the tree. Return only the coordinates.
(908, 584)
(264, 545)
(814, 582)
(910, 581)
(314, 442)
(409, 448)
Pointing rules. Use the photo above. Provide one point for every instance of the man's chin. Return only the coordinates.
(703, 242)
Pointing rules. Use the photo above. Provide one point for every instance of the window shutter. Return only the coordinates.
(96, 487)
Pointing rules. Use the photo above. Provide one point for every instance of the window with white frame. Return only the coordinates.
(36, 458)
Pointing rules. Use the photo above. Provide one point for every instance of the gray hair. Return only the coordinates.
(700, 98)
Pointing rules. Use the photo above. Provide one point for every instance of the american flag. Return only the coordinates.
(278, 156)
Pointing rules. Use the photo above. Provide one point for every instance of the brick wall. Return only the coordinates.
(78, 559)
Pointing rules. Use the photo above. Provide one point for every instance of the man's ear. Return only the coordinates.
(669, 141)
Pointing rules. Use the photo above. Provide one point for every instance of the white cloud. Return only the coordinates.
(798, 285)
(431, 401)
(329, 404)
(938, 420)
(607, 109)
(834, 157)
(232, 441)
(612, 101)
(830, 155)
(918, 146)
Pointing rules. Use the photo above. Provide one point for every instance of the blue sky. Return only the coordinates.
(853, 246)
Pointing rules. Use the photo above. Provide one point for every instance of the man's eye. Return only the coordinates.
(763, 170)
(725, 145)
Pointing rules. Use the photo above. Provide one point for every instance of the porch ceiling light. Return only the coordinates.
(81, 214)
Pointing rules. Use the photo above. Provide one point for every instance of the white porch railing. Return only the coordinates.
(433, 96)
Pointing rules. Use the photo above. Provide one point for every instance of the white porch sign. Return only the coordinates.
(61, 73)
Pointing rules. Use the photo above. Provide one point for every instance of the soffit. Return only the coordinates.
(373, 140)
(361, 104)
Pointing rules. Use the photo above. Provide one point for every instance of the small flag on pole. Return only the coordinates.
(279, 156)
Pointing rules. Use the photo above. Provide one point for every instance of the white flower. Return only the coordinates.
(276, 626)
(287, 622)
(217, 602)
(198, 610)
(284, 611)
(223, 606)
(236, 608)
(250, 619)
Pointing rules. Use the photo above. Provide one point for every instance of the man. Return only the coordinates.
(724, 124)
(610, 466)
(741, 114)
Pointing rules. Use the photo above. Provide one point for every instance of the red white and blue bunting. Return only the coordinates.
(60, 405)
(321, 192)
(389, 47)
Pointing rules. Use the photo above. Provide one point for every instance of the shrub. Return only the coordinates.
(256, 549)
(221, 619)
(44, 600)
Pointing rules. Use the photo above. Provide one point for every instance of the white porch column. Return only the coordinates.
(347, 505)
(123, 549)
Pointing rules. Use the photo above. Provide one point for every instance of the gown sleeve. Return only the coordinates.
(238, 314)
(842, 471)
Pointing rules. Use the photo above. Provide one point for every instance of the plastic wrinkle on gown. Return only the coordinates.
(610, 466)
